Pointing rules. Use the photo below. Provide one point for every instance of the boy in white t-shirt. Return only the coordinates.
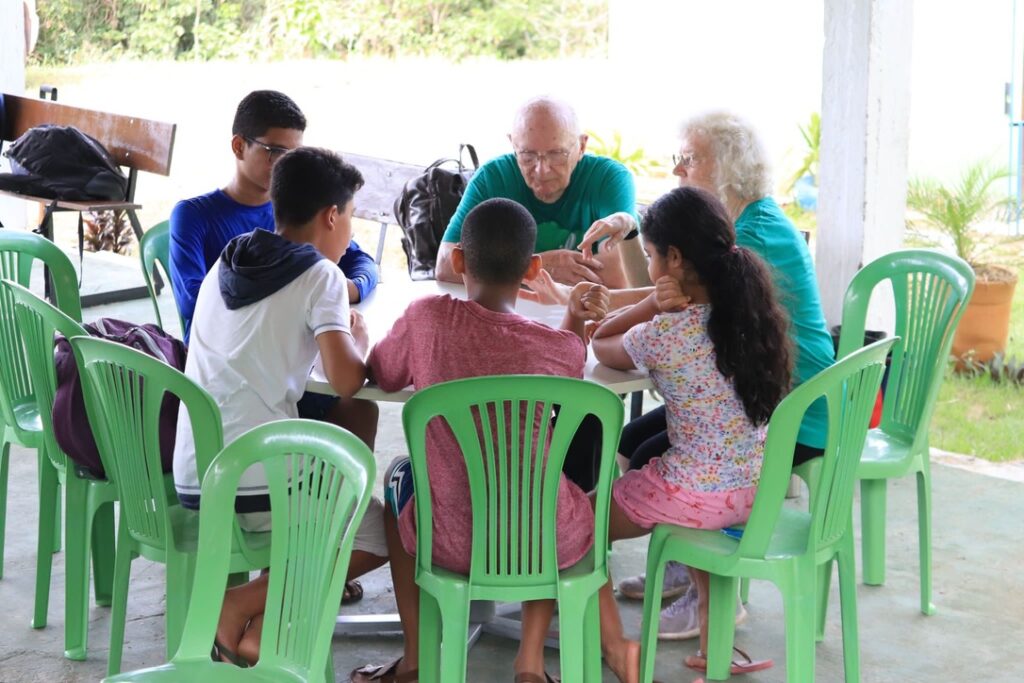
(270, 304)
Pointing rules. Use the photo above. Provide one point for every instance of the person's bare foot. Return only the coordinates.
(249, 645)
(624, 660)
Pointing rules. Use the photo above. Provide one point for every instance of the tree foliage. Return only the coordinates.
(77, 31)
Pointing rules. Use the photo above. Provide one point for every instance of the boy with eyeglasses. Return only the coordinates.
(267, 124)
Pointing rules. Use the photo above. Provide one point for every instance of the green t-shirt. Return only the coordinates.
(598, 188)
(763, 228)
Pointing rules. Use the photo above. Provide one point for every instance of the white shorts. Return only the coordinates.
(369, 536)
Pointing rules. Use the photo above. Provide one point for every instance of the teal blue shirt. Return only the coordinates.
(598, 188)
(764, 229)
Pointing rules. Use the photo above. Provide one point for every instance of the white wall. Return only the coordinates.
(12, 80)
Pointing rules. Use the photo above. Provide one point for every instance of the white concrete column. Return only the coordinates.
(865, 112)
(12, 80)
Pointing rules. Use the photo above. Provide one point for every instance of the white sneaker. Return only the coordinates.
(681, 621)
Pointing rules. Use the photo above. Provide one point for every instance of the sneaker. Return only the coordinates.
(680, 620)
(677, 581)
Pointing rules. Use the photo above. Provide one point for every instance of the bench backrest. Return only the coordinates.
(138, 144)
(384, 181)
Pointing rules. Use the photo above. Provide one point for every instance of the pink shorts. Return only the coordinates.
(647, 499)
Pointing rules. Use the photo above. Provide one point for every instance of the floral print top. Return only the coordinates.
(714, 446)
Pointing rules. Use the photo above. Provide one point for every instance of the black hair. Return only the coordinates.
(308, 179)
(262, 110)
(747, 325)
(498, 240)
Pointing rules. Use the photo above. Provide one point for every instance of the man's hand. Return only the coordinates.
(544, 290)
(570, 267)
(588, 301)
(668, 294)
(360, 335)
(615, 227)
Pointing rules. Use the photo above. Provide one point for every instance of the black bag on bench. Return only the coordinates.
(424, 208)
(62, 162)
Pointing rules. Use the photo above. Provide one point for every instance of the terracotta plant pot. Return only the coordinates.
(985, 327)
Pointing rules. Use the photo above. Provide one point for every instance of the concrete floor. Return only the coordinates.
(978, 591)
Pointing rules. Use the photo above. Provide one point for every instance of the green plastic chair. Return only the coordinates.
(514, 541)
(785, 546)
(89, 523)
(310, 522)
(124, 390)
(154, 247)
(931, 290)
(19, 417)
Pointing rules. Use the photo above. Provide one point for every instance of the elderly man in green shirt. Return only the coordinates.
(566, 191)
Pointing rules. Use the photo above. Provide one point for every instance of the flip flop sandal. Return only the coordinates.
(746, 665)
(527, 677)
(384, 673)
(219, 653)
(353, 592)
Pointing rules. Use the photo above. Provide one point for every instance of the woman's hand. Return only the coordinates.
(544, 290)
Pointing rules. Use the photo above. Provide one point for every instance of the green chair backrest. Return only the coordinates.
(155, 247)
(123, 391)
(320, 479)
(39, 322)
(513, 451)
(18, 253)
(931, 290)
(849, 388)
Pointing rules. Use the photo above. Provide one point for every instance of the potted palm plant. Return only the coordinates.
(956, 211)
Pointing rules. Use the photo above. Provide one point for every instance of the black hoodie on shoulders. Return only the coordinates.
(255, 265)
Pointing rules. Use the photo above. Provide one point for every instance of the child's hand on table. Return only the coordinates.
(357, 325)
(589, 301)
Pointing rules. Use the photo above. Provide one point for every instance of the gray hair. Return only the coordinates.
(742, 169)
(546, 105)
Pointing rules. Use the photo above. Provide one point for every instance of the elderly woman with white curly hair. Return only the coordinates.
(723, 154)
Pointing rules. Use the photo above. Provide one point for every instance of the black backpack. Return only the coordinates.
(424, 208)
(62, 162)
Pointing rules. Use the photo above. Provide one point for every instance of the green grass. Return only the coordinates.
(978, 417)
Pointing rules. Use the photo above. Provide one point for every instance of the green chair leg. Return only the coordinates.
(744, 590)
(48, 487)
(5, 452)
(180, 570)
(58, 507)
(430, 639)
(652, 605)
(103, 552)
(721, 626)
(872, 511)
(848, 608)
(592, 640)
(799, 605)
(454, 626)
(119, 605)
(924, 530)
(76, 581)
(824, 584)
(572, 613)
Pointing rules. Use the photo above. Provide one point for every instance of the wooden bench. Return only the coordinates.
(136, 144)
(384, 181)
